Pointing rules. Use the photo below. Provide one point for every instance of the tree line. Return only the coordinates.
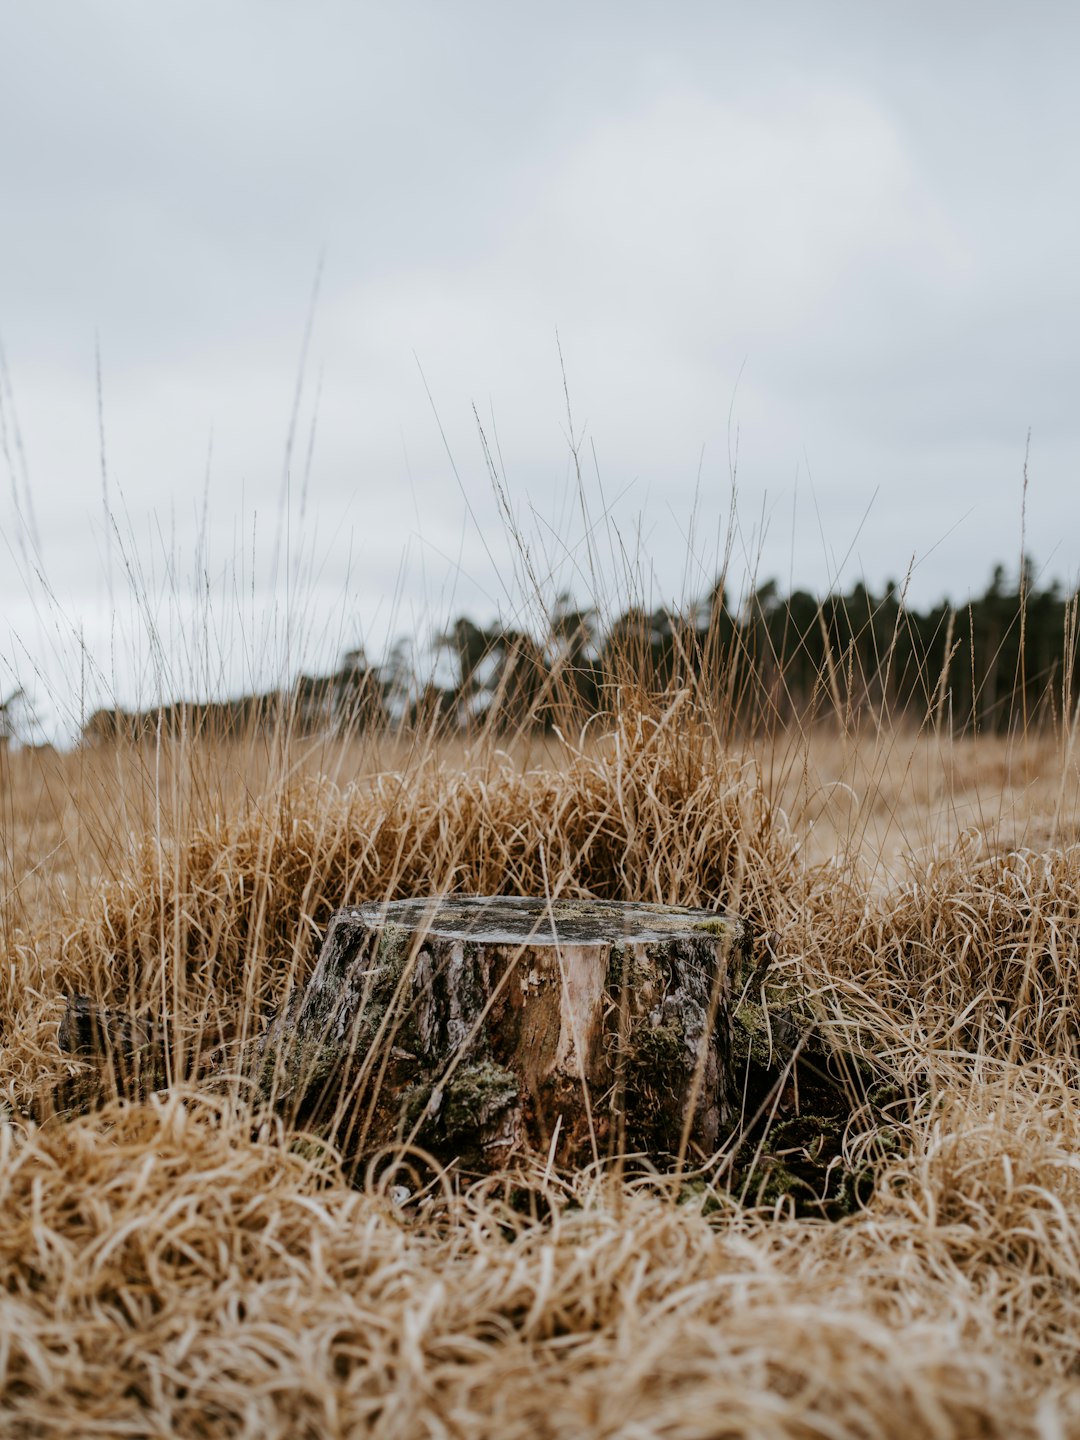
(1006, 659)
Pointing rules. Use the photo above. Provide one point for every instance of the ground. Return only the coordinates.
(185, 1262)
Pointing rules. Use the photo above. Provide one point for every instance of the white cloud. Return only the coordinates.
(744, 214)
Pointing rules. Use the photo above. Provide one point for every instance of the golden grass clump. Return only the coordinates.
(992, 1183)
(970, 953)
(168, 1273)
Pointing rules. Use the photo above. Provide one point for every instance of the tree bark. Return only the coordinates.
(125, 1051)
(476, 1026)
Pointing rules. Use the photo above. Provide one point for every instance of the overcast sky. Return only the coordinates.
(840, 240)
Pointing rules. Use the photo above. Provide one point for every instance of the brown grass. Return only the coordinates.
(183, 1266)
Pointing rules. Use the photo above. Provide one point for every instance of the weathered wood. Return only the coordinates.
(90, 1030)
(126, 1052)
(477, 1025)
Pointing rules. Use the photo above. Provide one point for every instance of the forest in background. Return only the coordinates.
(1006, 659)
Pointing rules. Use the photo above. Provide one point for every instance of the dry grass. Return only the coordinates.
(182, 1266)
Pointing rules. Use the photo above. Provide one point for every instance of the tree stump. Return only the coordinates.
(478, 1025)
(126, 1046)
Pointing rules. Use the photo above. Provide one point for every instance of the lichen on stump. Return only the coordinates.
(479, 1025)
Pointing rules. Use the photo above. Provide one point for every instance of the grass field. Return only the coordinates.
(184, 1263)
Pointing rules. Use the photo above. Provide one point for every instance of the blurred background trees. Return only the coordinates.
(1006, 659)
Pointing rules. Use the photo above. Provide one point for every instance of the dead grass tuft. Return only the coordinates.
(167, 1272)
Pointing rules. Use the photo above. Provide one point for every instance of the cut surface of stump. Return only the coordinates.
(478, 1025)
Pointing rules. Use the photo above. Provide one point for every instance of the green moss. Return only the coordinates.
(774, 1182)
(751, 1036)
(470, 1102)
(305, 1070)
(474, 1097)
(705, 1198)
(654, 1071)
(625, 966)
(807, 1134)
(389, 961)
(715, 927)
(658, 1049)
